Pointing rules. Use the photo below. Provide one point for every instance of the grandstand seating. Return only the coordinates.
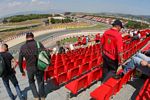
(112, 86)
(84, 81)
(80, 68)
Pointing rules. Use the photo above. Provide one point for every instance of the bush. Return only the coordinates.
(136, 25)
(66, 20)
(5, 21)
(20, 18)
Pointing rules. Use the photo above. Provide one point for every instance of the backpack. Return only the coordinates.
(43, 60)
(2, 65)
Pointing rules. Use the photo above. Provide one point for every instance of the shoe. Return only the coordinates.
(42, 98)
(13, 97)
(118, 76)
(123, 66)
(36, 99)
(22, 97)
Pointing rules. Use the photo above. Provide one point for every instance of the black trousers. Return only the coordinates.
(109, 67)
(40, 81)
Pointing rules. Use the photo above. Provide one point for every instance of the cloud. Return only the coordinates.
(14, 3)
(34, 0)
(8, 7)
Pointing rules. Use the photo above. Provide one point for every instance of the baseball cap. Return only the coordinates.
(118, 22)
(29, 34)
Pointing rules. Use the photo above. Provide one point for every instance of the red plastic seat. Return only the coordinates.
(99, 62)
(78, 84)
(87, 59)
(74, 58)
(58, 63)
(94, 56)
(94, 75)
(83, 68)
(58, 57)
(59, 70)
(125, 78)
(78, 62)
(114, 84)
(93, 64)
(66, 61)
(69, 66)
(61, 78)
(103, 92)
(82, 56)
(74, 72)
(49, 73)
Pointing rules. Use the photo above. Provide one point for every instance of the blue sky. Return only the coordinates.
(138, 7)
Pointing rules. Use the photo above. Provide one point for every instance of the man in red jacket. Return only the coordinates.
(112, 48)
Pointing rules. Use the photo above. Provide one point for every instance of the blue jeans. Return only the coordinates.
(14, 81)
(135, 62)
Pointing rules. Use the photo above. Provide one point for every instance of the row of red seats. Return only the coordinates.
(77, 66)
(84, 81)
(128, 45)
(74, 71)
(67, 64)
(77, 52)
(142, 33)
(110, 87)
(133, 47)
(146, 48)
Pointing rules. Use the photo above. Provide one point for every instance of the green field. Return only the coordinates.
(69, 40)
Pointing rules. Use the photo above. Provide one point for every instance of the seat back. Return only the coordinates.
(59, 70)
(84, 68)
(82, 82)
(69, 66)
(126, 78)
(73, 73)
(95, 75)
(93, 63)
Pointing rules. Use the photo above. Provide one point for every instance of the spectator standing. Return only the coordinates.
(112, 48)
(29, 51)
(9, 72)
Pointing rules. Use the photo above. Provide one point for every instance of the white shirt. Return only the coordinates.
(71, 46)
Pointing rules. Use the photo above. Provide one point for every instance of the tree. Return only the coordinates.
(5, 21)
(136, 25)
(67, 13)
(52, 20)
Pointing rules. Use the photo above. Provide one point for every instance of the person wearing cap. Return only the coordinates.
(112, 48)
(29, 51)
